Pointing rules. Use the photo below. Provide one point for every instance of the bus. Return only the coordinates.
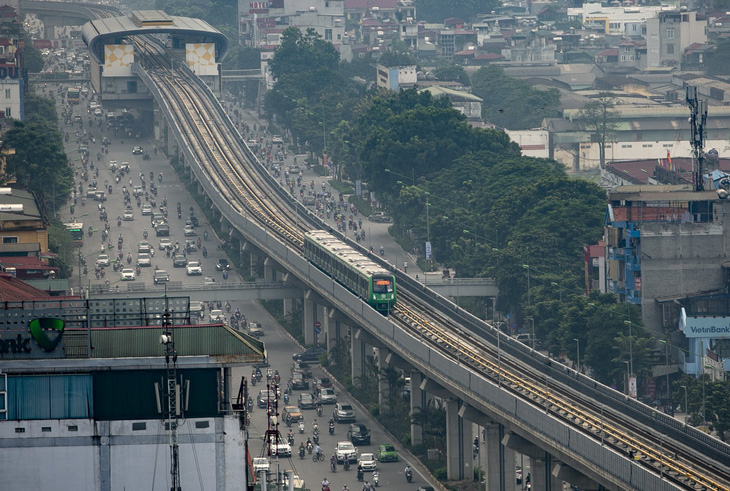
(76, 229)
(72, 95)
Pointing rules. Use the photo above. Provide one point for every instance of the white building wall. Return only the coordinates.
(10, 97)
(62, 459)
(535, 142)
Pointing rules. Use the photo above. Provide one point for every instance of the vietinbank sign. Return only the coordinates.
(41, 339)
(704, 327)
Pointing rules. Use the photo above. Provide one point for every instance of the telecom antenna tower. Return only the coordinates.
(697, 121)
(168, 341)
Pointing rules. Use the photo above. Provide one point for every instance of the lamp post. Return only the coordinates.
(428, 218)
(686, 407)
(577, 354)
(560, 290)
(533, 331)
(527, 267)
(631, 349)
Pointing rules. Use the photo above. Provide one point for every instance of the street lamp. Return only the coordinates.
(686, 407)
(631, 349)
(577, 353)
(560, 290)
(527, 267)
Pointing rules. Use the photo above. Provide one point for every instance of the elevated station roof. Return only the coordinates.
(112, 30)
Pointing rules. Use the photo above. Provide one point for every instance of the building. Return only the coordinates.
(85, 384)
(24, 235)
(467, 104)
(13, 78)
(595, 267)
(397, 77)
(669, 34)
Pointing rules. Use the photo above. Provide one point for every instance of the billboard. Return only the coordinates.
(201, 58)
(704, 327)
(118, 59)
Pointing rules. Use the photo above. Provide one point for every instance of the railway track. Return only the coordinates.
(241, 181)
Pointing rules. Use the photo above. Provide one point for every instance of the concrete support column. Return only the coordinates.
(269, 270)
(458, 443)
(254, 260)
(308, 319)
(500, 459)
(418, 403)
(540, 475)
(320, 313)
(333, 332)
(383, 386)
(561, 472)
(357, 358)
(288, 306)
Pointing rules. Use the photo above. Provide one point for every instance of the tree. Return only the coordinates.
(599, 118)
(300, 54)
(42, 107)
(394, 58)
(718, 60)
(452, 72)
(512, 103)
(33, 58)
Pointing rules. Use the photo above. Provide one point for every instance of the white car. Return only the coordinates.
(194, 267)
(367, 461)
(282, 448)
(216, 315)
(261, 464)
(127, 274)
(165, 243)
(146, 209)
(144, 259)
(345, 451)
(128, 216)
(189, 231)
(102, 261)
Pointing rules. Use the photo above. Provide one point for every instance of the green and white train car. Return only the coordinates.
(349, 267)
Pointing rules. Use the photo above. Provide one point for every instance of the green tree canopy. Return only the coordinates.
(42, 107)
(718, 61)
(301, 54)
(511, 103)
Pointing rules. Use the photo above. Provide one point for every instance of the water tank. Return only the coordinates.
(12, 208)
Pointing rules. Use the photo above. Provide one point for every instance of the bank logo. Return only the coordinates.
(47, 332)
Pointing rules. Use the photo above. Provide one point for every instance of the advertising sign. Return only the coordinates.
(428, 251)
(118, 59)
(704, 327)
(632, 387)
(40, 338)
(201, 58)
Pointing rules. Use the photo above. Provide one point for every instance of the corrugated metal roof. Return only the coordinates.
(207, 340)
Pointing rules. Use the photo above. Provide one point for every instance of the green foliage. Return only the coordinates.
(41, 107)
(32, 56)
(454, 73)
(242, 57)
(359, 67)
(300, 54)
(60, 243)
(439, 10)
(511, 103)
(40, 163)
(599, 118)
(716, 395)
(393, 58)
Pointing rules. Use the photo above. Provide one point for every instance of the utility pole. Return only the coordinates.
(697, 121)
(168, 341)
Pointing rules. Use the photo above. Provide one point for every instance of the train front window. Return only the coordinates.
(382, 285)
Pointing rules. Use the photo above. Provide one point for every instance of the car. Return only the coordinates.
(189, 231)
(263, 398)
(387, 453)
(222, 264)
(344, 413)
(216, 315)
(282, 448)
(310, 354)
(367, 461)
(100, 196)
(128, 216)
(255, 329)
(192, 220)
(277, 140)
(157, 218)
(161, 276)
(208, 281)
(306, 401)
(102, 261)
(380, 217)
(179, 261)
(190, 245)
(298, 381)
(144, 259)
(261, 464)
(294, 169)
(146, 209)
(91, 192)
(322, 383)
(144, 246)
(98, 112)
(345, 451)
(137, 150)
(162, 229)
(358, 434)
(137, 190)
(124, 166)
(302, 367)
(165, 243)
(292, 414)
(127, 274)
(327, 396)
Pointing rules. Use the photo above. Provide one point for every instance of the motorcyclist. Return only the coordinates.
(317, 450)
(325, 483)
(301, 449)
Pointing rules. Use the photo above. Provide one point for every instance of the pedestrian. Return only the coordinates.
(405, 266)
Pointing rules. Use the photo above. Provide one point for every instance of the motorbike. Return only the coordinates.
(225, 275)
(310, 447)
(332, 429)
(301, 452)
(333, 465)
(361, 475)
(86, 270)
(138, 271)
(179, 214)
(119, 223)
(145, 234)
(228, 306)
(301, 427)
(319, 411)
(129, 258)
(253, 381)
(409, 475)
(315, 438)
(376, 478)
(291, 439)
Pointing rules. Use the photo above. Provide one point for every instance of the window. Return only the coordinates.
(10, 240)
(670, 33)
(627, 49)
(8, 113)
(7, 93)
(670, 49)
(623, 57)
(328, 34)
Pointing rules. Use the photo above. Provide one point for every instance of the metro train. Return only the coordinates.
(359, 274)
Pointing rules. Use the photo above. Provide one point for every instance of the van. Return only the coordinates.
(277, 140)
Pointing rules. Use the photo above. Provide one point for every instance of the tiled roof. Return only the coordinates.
(14, 290)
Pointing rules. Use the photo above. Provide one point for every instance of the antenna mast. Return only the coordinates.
(168, 340)
(697, 121)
